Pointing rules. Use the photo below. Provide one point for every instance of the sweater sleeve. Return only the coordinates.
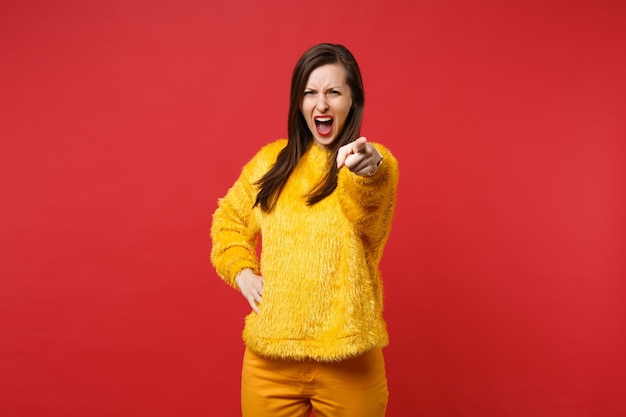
(368, 202)
(234, 231)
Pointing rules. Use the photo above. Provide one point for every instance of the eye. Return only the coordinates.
(334, 93)
(309, 93)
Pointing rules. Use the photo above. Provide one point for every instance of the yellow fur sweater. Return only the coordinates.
(322, 292)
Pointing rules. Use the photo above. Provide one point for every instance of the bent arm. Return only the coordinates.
(234, 232)
(368, 201)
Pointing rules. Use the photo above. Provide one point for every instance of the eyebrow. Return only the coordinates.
(329, 88)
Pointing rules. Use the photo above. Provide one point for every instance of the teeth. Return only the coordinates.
(324, 119)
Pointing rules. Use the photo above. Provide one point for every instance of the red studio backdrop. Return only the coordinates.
(123, 121)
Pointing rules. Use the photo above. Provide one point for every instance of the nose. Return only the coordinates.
(321, 105)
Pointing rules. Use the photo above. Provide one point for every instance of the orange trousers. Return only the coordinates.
(355, 387)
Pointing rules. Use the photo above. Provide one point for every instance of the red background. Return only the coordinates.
(122, 122)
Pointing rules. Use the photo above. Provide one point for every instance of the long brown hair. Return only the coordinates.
(300, 137)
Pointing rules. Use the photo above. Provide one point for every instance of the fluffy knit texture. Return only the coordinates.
(322, 290)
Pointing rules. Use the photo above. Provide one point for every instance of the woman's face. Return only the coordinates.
(326, 103)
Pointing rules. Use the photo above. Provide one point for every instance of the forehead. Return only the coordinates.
(326, 75)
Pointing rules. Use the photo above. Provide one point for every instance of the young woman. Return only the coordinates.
(322, 201)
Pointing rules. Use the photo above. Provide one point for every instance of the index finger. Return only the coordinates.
(359, 144)
(253, 303)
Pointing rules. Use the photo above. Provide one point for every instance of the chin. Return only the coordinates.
(325, 141)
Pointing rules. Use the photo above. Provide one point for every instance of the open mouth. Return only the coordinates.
(324, 125)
